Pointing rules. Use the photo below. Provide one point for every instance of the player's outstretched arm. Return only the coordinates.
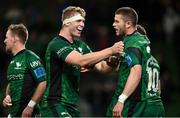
(86, 60)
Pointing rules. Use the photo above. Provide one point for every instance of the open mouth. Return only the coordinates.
(80, 29)
(116, 30)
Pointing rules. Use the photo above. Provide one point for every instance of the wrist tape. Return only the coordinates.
(31, 103)
(122, 98)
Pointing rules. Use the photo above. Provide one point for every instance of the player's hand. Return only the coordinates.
(118, 48)
(27, 112)
(117, 111)
(7, 101)
(85, 69)
(113, 61)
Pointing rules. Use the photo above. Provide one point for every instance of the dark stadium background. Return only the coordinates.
(161, 19)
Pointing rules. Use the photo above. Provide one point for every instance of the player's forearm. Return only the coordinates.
(133, 80)
(7, 90)
(39, 92)
(87, 60)
(103, 67)
(95, 57)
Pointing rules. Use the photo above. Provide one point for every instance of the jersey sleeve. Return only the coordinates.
(62, 50)
(36, 68)
(87, 49)
(133, 56)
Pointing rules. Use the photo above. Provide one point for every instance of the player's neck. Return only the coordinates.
(18, 48)
(66, 34)
(130, 31)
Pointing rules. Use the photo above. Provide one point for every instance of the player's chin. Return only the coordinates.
(8, 51)
(117, 34)
(78, 34)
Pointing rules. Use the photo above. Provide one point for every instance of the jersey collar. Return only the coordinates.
(63, 38)
(125, 37)
(20, 52)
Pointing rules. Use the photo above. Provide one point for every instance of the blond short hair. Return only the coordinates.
(19, 30)
(71, 11)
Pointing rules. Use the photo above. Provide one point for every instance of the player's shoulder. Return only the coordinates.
(80, 42)
(31, 54)
(138, 40)
(58, 41)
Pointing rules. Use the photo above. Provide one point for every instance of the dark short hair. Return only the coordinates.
(128, 13)
(19, 30)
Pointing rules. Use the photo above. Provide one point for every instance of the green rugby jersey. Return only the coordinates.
(137, 51)
(62, 78)
(24, 73)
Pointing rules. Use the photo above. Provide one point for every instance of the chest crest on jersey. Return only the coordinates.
(18, 66)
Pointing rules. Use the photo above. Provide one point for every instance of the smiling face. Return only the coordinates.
(73, 19)
(76, 27)
(119, 25)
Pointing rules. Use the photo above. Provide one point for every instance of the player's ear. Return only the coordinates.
(16, 38)
(67, 24)
(128, 24)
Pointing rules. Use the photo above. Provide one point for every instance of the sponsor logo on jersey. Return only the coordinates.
(15, 77)
(35, 63)
(39, 72)
(59, 52)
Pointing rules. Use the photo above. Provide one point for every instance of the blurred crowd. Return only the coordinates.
(161, 19)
